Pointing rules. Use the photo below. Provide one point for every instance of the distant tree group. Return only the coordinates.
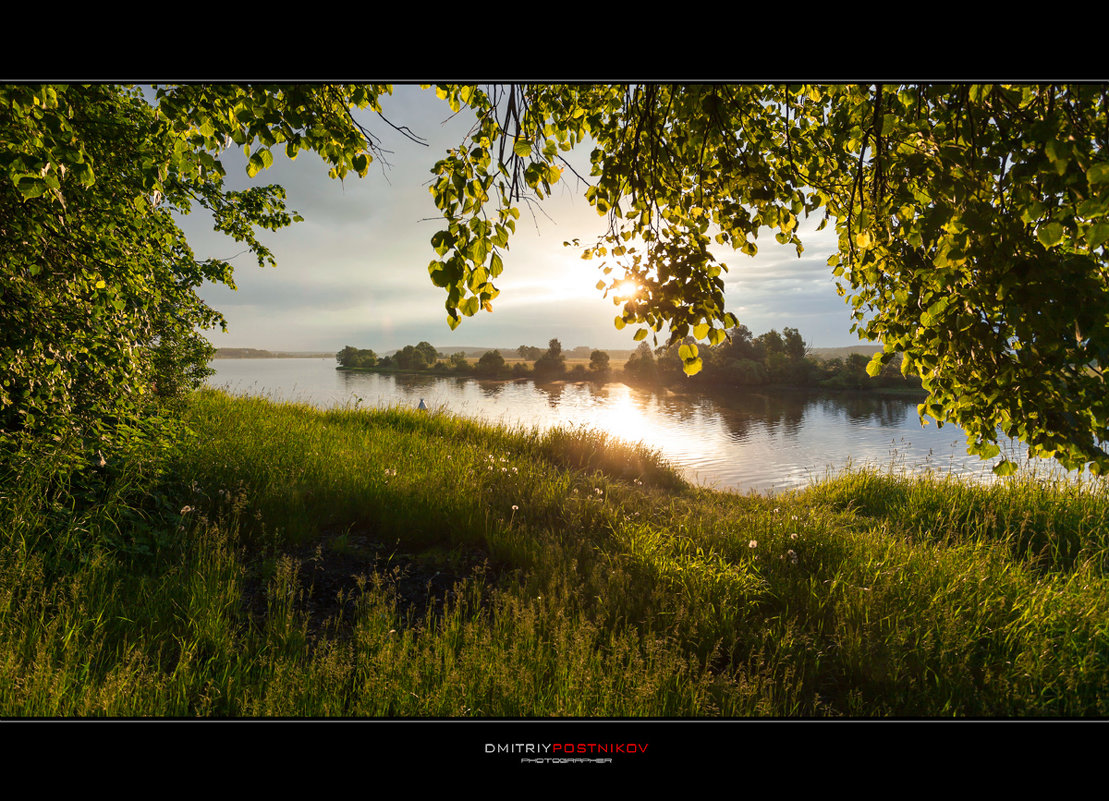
(743, 360)
(641, 364)
(549, 364)
(356, 357)
(599, 363)
(552, 363)
(491, 363)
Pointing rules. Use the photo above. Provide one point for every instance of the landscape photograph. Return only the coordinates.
(554, 401)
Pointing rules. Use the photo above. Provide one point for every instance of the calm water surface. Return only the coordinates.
(739, 441)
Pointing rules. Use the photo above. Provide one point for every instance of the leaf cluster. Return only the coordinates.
(972, 223)
(98, 290)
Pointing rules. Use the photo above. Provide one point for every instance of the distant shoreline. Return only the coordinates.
(254, 353)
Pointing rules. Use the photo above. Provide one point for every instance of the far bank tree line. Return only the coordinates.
(545, 364)
(772, 358)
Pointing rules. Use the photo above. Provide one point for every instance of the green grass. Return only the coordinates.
(291, 561)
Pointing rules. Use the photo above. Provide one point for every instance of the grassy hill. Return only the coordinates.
(296, 562)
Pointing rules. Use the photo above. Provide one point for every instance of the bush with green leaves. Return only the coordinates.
(98, 291)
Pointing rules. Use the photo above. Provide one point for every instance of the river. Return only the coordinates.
(740, 441)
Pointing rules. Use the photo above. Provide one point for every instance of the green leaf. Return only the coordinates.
(1098, 174)
(989, 450)
(256, 164)
(31, 187)
(469, 306)
(442, 242)
(1097, 234)
(522, 148)
(1005, 468)
(1050, 235)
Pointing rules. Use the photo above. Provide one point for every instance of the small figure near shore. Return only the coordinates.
(422, 407)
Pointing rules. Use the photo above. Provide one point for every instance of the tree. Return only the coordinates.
(416, 357)
(356, 357)
(100, 311)
(641, 364)
(793, 345)
(599, 362)
(552, 362)
(430, 354)
(973, 223)
(491, 363)
(740, 344)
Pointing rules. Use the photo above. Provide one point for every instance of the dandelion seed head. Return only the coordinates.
(753, 544)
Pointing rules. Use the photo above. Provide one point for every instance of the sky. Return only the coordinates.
(354, 272)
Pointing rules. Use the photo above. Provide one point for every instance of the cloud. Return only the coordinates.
(355, 271)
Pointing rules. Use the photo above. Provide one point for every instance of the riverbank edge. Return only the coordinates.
(634, 380)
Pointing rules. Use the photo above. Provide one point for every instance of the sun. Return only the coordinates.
(626, 290)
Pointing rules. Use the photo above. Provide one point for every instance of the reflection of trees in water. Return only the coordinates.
(414, 387)
(740, 411)
(596, 391)
(400, 389)
(365, 385)
(860, 408)
(490, 389)
(552, 391)
(786, 412)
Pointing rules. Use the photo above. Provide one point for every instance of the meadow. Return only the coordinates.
(289, 561)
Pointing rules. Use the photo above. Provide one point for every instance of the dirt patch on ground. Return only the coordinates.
(332, 572)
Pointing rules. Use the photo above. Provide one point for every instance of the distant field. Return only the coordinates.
(825, 354)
